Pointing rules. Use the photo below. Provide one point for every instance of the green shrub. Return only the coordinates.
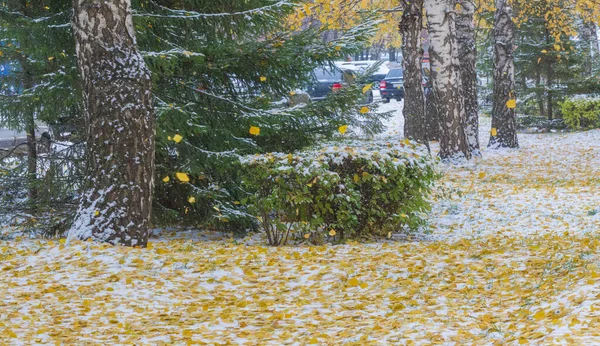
(345, 190)
(581, 113)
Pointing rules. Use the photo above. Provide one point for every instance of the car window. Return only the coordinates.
(395, 73)
(328, 75)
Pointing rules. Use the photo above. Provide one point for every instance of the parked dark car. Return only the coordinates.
(392, 86)
(327, 80)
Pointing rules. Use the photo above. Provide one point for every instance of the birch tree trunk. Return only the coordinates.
(504, 120)
(445, 74)
(467, 53)
(586, 44)
(116, 200)
(410, 26)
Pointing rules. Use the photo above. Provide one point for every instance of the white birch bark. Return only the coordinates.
(445, 73)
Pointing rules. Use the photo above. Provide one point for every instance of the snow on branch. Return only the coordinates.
(194, 15)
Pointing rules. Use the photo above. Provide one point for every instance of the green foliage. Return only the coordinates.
(349, 189)
(36, 41)
(581, 113)
(220, 68)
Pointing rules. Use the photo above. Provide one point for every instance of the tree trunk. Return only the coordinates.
(539, 94)
(504, 120)
(586, 45)
(549, 80)
(116, 201)
(410, 26)
(595, 47)
(31, 159)
(445, 74)
(392, 54)
(467, 53)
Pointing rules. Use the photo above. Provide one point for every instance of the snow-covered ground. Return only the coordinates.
(512, 258)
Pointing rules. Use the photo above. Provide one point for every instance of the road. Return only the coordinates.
(10, 138)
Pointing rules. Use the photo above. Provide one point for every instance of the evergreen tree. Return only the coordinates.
(221, 72)
(226, 80)
(36, 45)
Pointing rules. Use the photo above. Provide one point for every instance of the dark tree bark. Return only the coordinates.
(410, 26)
(586, 44)
(467, 53)
(392, 54)
(117, 197)
(445, 74)
(549, 80)
(504, 120)
(29, 120)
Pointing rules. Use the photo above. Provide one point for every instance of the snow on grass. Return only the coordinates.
(513, 258)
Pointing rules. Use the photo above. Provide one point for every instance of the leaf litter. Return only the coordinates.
(512, 258)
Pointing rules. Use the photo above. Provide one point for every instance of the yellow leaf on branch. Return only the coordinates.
(254, 130)
(183, 177)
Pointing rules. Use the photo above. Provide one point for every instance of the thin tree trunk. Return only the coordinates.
(31, 159)
(392, 54)
(539, 94)
(504, 119)
(586, 44)
(29, 119)
(410, 26)
(467, 52)
(445, 73)
(116, 202)
(595, 47)
(549, 80)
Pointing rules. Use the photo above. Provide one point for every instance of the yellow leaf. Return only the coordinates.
(364, 110)
(540, 315)
(389, 235)
(356, 178)
(481, 175)
(313, 341)
(263, 79)
(556, 47)
(366, 88)
(523, 341)
(353, 282)
(494, 132)
(332, 233)
(338, 48)
(364, 285)
(292, 93)
(96, 213)
(254, 130)
(512, 103)
(51, 58)
(342, 129)
(544, 51)
(307, 235)
(187, 333)
(177, 138)
(166, 179)
(183, 177)
(539, 59)
(192, 199)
